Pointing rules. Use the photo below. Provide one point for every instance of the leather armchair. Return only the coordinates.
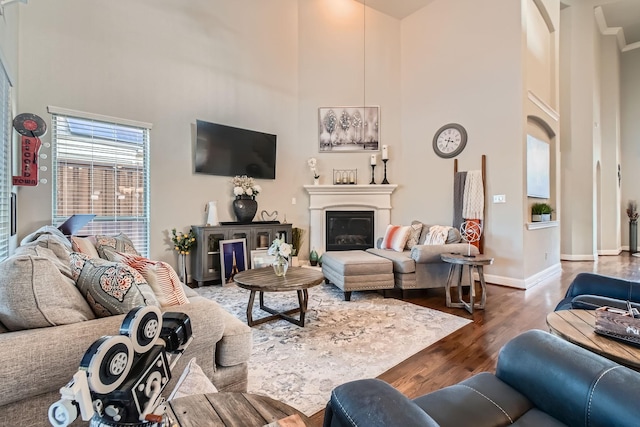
(540, 380)
(589, 291)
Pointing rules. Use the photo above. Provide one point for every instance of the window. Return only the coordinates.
(101, 166)
(5, 167)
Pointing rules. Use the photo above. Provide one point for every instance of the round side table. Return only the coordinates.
(458, 262)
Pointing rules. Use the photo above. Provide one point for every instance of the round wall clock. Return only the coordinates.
(449, 140)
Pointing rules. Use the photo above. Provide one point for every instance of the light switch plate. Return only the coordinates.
(499, 198)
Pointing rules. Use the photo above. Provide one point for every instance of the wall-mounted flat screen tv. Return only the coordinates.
(230, 151)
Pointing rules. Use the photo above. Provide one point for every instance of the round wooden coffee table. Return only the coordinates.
(578, 327)
(263, 280)
(229, 409)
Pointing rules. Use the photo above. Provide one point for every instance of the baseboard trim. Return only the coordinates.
(610, 252)
(567, 257)
(552, 272)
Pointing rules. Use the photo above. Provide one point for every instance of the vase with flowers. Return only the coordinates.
(281, 250)
(245, 190)
(313, 163)
(183, 243)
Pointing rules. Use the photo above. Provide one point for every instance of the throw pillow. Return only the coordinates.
(33, 293)
(395, 237)
(162, 278)
(414, 234)
(192, 381)
(109, 287)
(120, 243)
(85, 245)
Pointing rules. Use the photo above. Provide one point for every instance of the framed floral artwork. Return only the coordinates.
(348, 129)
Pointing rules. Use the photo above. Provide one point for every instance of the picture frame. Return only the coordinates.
(348, 129)
(538, 168)
(260, 258)
(233, 258)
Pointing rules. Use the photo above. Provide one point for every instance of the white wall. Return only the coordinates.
(168, 63)
(260, 65)
(9, 40)
(630, 133)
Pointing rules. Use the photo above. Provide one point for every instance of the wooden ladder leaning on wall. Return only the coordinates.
(484, 187)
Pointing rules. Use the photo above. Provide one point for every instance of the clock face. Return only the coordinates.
(449, 140)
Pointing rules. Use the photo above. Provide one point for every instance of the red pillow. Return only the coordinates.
(396, 237)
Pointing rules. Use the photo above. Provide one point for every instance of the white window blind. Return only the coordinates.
(101, 166)
(5, 166)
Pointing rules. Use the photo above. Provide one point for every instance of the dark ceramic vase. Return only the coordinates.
(245, 208)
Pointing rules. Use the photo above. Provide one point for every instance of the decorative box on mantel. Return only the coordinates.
(347, 198)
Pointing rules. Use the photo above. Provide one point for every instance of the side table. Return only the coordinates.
(458, 262)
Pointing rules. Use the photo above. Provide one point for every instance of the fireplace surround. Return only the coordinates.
(323, 198)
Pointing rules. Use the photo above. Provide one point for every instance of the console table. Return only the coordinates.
(205, 259)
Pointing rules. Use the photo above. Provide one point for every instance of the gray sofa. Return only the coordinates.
(421, 266)
(35, 363)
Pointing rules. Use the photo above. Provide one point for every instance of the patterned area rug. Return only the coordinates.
(341, 341)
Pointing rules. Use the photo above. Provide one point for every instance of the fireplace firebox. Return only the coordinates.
(349, 230)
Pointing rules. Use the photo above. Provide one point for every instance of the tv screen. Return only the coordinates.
(229, 151)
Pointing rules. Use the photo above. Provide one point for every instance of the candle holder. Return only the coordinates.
(373, 176)
(384, 181)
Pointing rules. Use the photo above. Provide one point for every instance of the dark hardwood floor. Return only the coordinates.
(474, 348)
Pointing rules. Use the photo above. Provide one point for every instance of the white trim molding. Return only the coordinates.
(542, 224)
(549, 273)
(91, 116)
(571, 257)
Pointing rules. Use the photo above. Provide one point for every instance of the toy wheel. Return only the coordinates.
(143, 326)
(108, 362)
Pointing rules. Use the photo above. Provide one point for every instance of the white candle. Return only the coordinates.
(385, 152)
(374, 159)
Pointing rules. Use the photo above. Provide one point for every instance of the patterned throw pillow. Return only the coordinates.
(109, 287)
(109, 244)
(414, 234)
(395, 237)
(192, 381)
(162, 278)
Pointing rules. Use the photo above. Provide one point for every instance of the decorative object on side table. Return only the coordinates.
(632, 213)
(471, 232)
(183, 243)
(281, 250)
(312, 162)
(245, 206)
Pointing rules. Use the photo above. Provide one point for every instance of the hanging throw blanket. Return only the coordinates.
(437, 235)
(458, 198)
(473, 200)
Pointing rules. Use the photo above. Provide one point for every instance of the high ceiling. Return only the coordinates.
(618, 17)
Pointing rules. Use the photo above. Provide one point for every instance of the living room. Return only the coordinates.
(269, 65)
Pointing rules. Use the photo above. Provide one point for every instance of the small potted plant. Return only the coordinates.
(541, 212)
(297, 234)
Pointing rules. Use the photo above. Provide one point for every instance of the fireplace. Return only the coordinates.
(349, 230)
(347, 198)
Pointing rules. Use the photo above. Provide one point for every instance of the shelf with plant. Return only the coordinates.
(541, 212)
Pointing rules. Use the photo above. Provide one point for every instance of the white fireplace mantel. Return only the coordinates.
(347, 198)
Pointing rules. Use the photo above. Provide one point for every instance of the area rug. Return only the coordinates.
(340, 342)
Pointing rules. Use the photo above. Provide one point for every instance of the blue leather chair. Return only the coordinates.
(589, 291)
(540, 380)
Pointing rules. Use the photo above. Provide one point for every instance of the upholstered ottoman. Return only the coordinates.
(357, 271)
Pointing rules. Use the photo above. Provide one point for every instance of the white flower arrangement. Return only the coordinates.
(312, 162)
(280, 248)
(244, 185)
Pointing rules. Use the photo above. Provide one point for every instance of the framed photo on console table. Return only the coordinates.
(233, 258)
(348, 129)
(260, 258)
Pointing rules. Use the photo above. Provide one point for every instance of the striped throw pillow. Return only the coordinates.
(395, 237)
(162, 278)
